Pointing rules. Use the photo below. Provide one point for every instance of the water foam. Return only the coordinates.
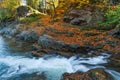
(55, 65)
(52, 67)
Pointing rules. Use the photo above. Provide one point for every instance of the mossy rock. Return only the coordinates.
(93, 74)
(22, 11)
(96, 74)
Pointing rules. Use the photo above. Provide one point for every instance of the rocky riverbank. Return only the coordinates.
(85, 36)
(57, 37)
(67, 41)
(48, 44)
(93, 74)
(44, 44)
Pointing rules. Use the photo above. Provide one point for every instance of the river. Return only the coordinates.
(17, 64)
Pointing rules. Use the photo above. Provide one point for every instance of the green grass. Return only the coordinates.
(112, 17)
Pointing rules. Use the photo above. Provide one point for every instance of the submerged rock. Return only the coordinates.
(26, 76)
(93, 74)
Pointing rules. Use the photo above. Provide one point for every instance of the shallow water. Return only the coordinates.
(17, 64)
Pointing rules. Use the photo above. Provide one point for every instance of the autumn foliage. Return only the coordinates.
(7, 8)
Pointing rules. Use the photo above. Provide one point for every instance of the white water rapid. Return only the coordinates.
(53, 67)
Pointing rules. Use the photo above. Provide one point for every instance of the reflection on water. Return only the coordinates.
(13, 47)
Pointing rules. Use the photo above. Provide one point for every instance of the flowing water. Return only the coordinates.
(17, 64)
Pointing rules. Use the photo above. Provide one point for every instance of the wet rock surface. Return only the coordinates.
(93, 74)
(114, 62)
(47, 42)
(72, 76)
(96, 74)
(39, 51)
(8, 32)
(116, 34)
(37, 54)
(26, 76)
(11, 30)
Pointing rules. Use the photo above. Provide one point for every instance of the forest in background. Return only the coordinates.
(110, 9)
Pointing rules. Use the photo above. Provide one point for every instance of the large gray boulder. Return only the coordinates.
(48, 42)
(78, 17)
(84, 17)
(30, 36)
